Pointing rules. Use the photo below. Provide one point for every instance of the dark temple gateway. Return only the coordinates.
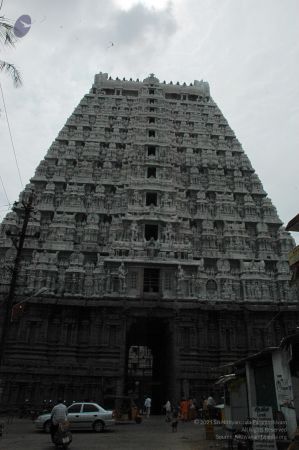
(152, 253)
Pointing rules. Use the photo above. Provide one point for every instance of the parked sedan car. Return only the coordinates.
(82, 416)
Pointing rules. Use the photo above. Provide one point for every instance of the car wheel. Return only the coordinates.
(98, 426)
(47, 426)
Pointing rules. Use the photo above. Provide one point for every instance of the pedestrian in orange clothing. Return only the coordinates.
(184, 410)
(191, 409)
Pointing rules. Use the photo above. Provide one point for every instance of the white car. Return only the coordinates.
(82, 416)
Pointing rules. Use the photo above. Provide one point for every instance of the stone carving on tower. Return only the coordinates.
(147, 170)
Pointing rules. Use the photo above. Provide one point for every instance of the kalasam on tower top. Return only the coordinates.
(161, 254)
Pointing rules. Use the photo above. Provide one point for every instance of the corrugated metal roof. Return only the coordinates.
(293, 224)
(225, 378)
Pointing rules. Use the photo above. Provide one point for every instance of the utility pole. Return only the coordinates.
(8, 302)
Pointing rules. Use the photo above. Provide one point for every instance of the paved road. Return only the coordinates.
(152, 434)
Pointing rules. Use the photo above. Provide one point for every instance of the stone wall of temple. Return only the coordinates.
(145, 205)
(79, 351)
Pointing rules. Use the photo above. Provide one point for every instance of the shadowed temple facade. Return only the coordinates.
(152, 254)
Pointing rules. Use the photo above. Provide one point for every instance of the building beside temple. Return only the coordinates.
(293, 225)
(162, 256)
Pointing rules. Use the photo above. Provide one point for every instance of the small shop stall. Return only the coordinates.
(264, 388)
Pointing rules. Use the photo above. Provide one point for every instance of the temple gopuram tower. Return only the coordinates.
(152, 253)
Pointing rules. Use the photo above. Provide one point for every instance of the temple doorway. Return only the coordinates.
(149, 362)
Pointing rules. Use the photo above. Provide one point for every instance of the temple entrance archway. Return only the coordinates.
(150, 361)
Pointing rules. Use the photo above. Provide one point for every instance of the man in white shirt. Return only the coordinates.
(58, 415)
(168, 410)
(211, 401)
(147, 406)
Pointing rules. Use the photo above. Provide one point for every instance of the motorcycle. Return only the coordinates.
(62, 437)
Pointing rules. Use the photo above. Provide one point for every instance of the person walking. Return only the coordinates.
(184, 410)
(58, 416)
(204, 408)
(191, 409)
(168, 410)
(175, 418)
(211, 407)
(147, 406)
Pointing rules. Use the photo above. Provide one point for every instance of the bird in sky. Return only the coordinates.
(111, 45)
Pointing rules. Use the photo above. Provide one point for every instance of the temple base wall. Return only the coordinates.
(80, 352)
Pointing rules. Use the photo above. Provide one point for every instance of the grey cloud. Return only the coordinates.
(140, 23)
(135, 27)
(135, 32)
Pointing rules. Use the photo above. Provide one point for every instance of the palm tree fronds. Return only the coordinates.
(6, 32)
(7, 37)
(13, 72)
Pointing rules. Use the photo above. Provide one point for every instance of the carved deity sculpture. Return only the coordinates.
(283, 267)
(193, 285)
(169, 234)
(122, 274)
(199, 286)
(108, 280)
(99, 276)
(166, 202)
(223, 265)
(180, 274)
(10, 255)
(207, 225)
(136, 198)
(257, 290)
(92, 219)
(227, 290)
(151, 247)
(254, 266)
(88, 281)
(262, 228)
(265, 291)
(100, 189)
(248, 200)
(134, 231)
(76, 258)
(201, 266)
(262, 266)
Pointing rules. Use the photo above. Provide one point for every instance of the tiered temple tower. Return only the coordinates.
(153, 236)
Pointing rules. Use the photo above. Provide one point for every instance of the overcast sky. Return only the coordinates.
(248, 51)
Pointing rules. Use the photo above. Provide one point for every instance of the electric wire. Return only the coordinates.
(5, 192)
(11, 139)
(272, 320)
